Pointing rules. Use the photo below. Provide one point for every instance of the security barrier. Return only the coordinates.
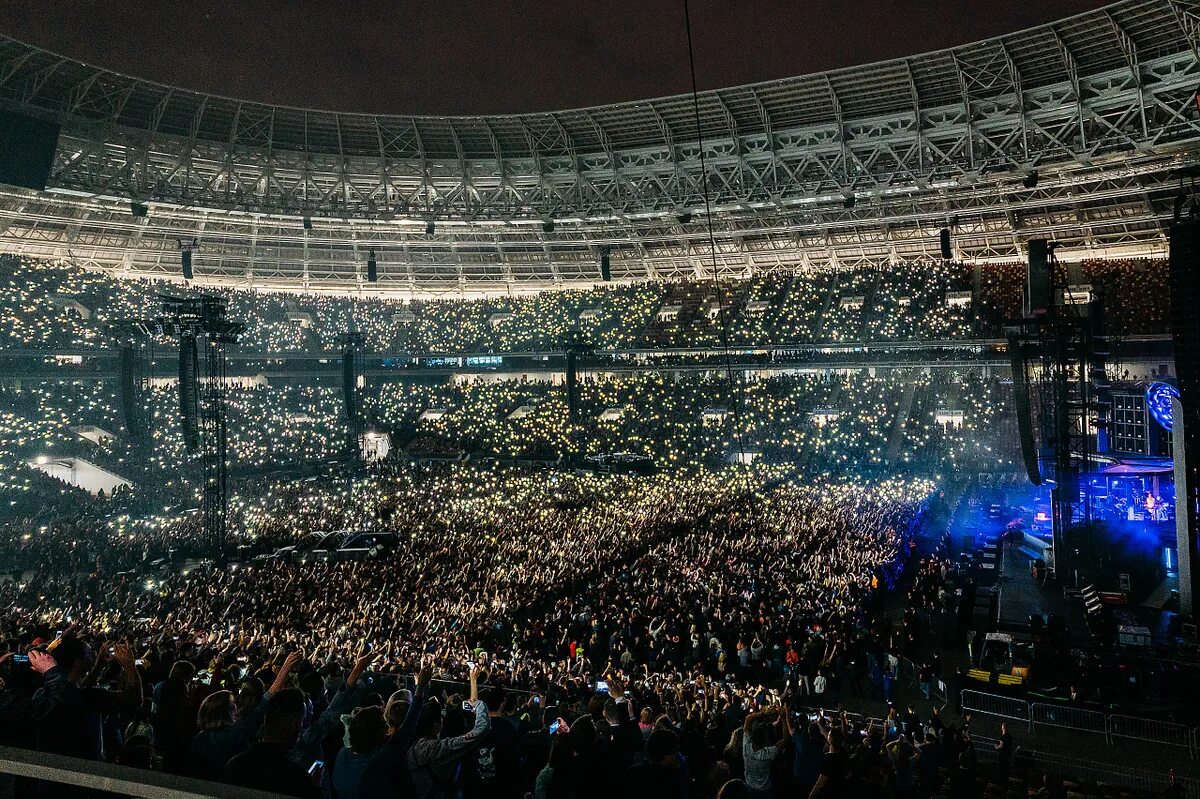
(1161, 732)
(1066, 717)
(1147, 780)
(1006, 707)
(109, 777)
(1071, 718)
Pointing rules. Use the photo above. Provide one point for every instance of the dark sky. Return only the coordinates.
(464, 56)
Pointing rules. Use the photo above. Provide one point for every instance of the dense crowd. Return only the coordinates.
(698, 598)
(55, 306)
(898, 420)
(507, 628)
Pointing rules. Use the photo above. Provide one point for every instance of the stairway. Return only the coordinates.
(901, 424)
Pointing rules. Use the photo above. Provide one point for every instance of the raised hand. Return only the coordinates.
(40, 661)
(281, 677)
(360, 666)
(123, 654)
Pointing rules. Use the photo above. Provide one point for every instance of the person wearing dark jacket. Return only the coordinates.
(381, 771)
(68, 717)
(266, 765)
(662, 775)
(223, 734)
(171, 716)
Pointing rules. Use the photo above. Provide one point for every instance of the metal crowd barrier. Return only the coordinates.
(1111, 726)
(1005, 707)
(17, 765)
(1076, 769)
(1071, 718)
(1160, 732)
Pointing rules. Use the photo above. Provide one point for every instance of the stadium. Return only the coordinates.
(833, 435)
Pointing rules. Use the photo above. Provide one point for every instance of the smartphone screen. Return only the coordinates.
(316, 765)
(601, 687)
(554, 727)
(20, 658)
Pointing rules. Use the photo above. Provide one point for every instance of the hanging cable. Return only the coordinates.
(735, 402)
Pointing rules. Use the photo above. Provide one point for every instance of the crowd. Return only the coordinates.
(511, 629)
(896, 420)
(695, 598)
(55, 306)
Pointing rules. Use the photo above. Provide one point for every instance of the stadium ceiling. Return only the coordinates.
(859, 166)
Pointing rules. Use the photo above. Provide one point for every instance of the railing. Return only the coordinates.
(1006, 707)
(1069, 768)
(1071, 718)
(1160, 732)
(109, 777)
(1072, 768)
(1111, 726)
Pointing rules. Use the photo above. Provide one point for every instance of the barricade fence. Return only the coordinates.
(1161, 732)
(1071, 718)
(1111, 725)
(1072, 768)
(1006, 707)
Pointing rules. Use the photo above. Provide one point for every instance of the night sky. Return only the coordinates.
(462, 57)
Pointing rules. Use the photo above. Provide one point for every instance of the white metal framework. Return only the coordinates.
(852, 167)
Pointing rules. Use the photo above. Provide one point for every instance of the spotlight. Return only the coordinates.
(372, 267)
(308, 223)
(548, 226)
(1031, 180)
(685, 217)
(849, 201)
(430, 227)
(139, 210)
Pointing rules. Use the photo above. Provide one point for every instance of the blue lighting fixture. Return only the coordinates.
(1158, 402)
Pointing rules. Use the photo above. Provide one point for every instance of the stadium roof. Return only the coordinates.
(1086, 44)
(857, 165)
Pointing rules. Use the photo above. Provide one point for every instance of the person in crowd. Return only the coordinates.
(68, 715)
(224, 731)
(267, 765)
(433, 761)
(765, 735)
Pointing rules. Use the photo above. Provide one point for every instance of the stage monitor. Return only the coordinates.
(27, 148)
